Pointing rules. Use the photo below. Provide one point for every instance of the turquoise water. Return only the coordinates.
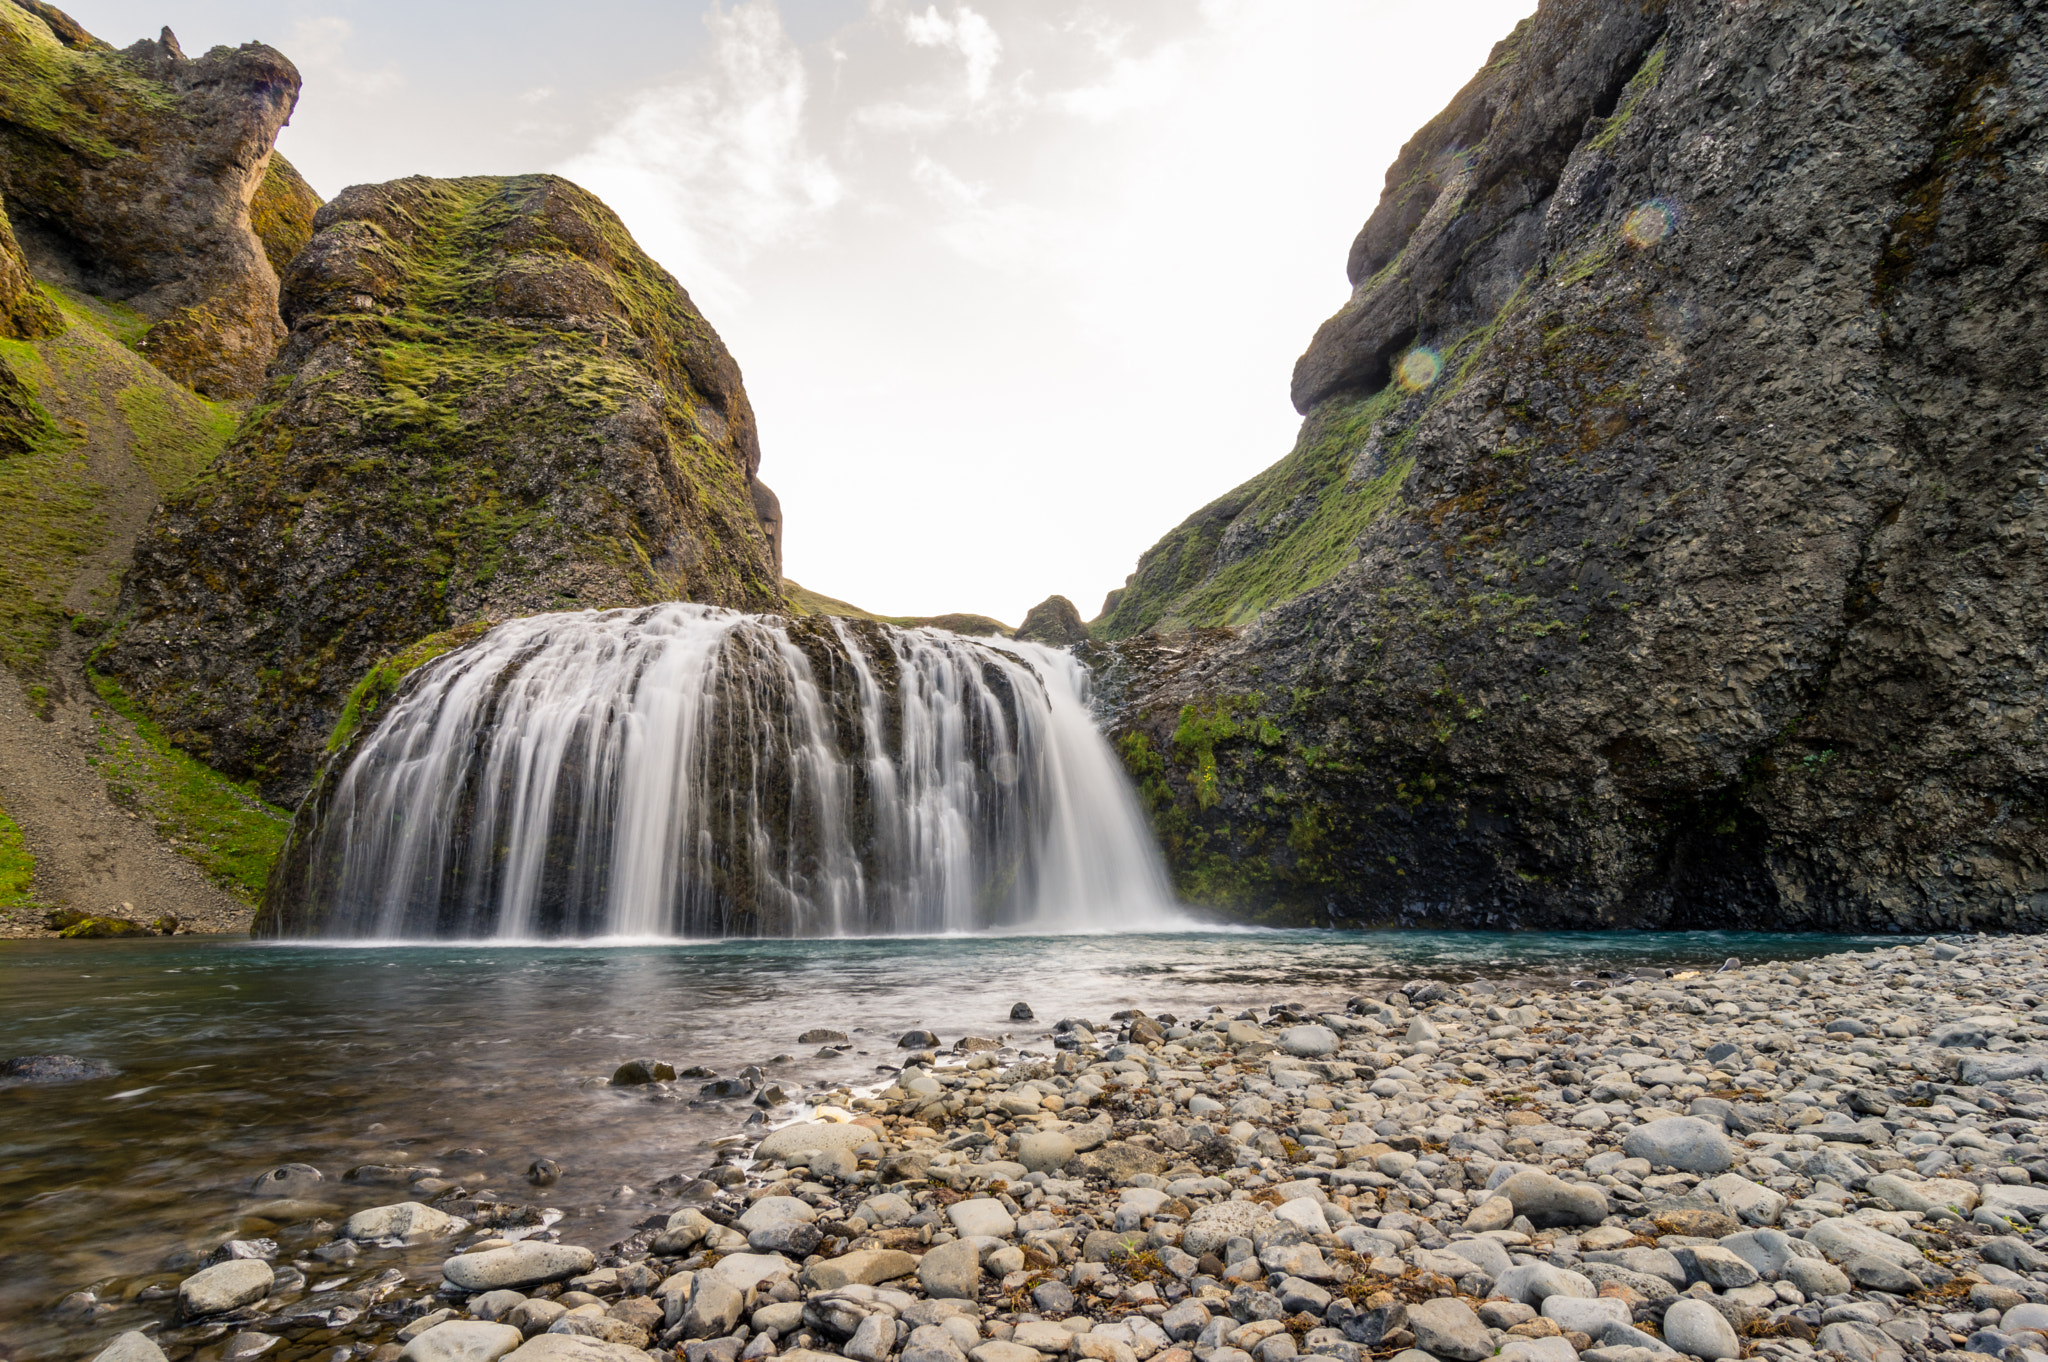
(236, 1056)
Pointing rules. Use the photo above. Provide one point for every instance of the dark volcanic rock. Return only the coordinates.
(1665, 540)
(492, 403)
(129, 174)
(54, 1069)
(1054, 621)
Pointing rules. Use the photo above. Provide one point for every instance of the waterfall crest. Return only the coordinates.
(683, 770)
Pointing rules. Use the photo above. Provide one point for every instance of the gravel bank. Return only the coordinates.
(1842, 1156)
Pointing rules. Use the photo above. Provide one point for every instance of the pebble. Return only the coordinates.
(1440, 1174)
(1698, 1329)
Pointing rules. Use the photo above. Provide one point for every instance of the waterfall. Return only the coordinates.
(687, 771)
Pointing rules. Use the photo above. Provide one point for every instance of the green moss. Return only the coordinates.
(51, 508)
(1312, 510)
(281, 212)
(174, 434)
(1203, 727)
(1645, 80)
(382, 681)
(221, 826)
(60, 92)
(17, 866)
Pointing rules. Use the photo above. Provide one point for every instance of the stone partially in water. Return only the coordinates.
(408, 1222)
(288, 1181)
(224, 1287)
(820, 1035)
(638, 1071)
(54, 1069)
(526, 1263)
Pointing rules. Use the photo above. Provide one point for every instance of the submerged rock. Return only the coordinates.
(54, 1069)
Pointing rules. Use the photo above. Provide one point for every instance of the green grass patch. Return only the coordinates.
(174, 434)
(50, 519)
(1640, 84)
(1307, 510)
(51, 509)
(223, 827)
(17, 867)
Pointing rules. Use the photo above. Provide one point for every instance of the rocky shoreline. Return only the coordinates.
(1844, 1155)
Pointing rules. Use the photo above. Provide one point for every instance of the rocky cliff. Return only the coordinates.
(491, 403)
(129, 176)
(1664, 543)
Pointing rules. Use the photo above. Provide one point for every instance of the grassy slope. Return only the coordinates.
(1308, 510)
(53, 516)
(52, 510)
(17, 867)
(805, 602)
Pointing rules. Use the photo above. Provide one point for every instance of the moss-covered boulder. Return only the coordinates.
(128, 175)
(492, 403)
(1053, 621)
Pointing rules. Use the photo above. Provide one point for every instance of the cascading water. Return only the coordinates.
(683, 770)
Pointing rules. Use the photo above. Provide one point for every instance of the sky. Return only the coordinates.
(1016, 285)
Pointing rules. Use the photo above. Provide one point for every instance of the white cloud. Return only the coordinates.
(319, 46)
(1082, 244)
(969, 34)
(718, 169)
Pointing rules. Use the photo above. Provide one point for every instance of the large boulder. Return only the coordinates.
(1650, 551)
(1053, 621)
(129, 174)
(492, 402)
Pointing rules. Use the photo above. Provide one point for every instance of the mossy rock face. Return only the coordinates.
(128, 175)
(492, 403)
(1663, 546)
(281, 214)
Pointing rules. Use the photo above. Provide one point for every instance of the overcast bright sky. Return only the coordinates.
(1016, 285)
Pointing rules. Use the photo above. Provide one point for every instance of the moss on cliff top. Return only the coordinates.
(1288, 530)
(61, 91)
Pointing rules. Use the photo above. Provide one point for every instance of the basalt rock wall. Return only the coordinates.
(492, 403)
(1665, 541)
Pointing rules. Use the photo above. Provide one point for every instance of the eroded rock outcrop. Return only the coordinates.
(1665, 540)
(1053, 621)
(128, 174)
(492, 403)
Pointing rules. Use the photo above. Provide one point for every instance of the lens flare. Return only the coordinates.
(1650, 224)
(1418, 368)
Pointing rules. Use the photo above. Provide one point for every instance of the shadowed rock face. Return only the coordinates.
(129, 175)
(492, 403)
(1665, 540)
